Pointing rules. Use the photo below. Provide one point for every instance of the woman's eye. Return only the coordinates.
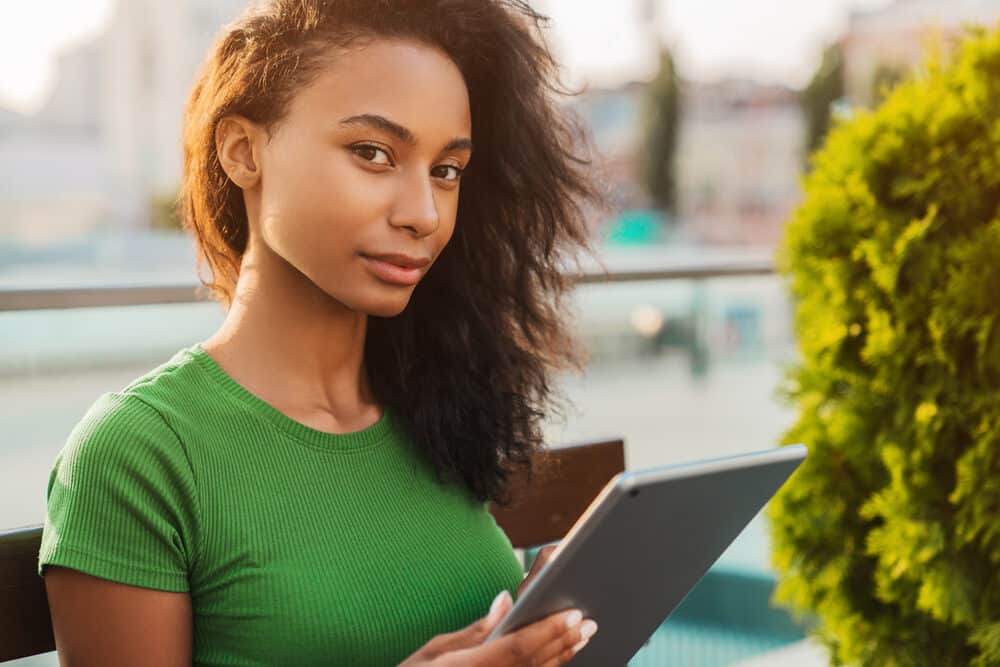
(448, 172)
(372, 154)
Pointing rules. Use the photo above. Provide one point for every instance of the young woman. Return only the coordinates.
(308, 486)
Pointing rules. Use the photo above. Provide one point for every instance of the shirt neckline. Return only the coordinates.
(368, 437)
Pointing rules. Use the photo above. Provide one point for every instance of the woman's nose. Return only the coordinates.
(415, 207)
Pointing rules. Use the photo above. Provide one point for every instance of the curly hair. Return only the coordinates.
(468, 366)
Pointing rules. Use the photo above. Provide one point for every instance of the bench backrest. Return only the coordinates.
(562, 487)
(560, 490)
(25, 627)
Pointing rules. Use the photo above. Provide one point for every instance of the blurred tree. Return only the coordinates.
(660, 122)
(886, 78)
(163, 213)
(825, 88)
(889, 533)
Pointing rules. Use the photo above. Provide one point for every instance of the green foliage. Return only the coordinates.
(816, 100)
(660, 120)
(889, 535)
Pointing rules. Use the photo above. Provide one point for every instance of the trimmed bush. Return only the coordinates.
(889, 535)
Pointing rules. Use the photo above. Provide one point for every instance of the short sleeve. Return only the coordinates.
(122, 501)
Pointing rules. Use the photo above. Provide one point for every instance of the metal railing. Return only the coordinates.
(141, 295)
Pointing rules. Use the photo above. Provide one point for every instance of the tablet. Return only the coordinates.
(643, 544)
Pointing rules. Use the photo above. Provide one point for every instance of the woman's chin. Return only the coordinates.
(386, 306)
(382, 301)
(388, 311)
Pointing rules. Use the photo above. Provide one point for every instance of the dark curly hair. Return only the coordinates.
(468, 367)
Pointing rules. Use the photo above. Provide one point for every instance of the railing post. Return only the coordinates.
(699, 351)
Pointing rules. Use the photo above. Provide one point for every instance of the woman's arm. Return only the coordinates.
(101, 622)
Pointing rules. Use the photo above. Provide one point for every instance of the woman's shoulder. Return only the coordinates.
(176, 391)
(176, 378)
(139, 414)
(122, 496)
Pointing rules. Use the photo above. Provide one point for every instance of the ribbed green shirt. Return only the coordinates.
(297, 546)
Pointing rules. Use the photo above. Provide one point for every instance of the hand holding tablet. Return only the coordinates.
(643, 544)
(550, 642)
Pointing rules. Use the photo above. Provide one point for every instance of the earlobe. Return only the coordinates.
(234, 143)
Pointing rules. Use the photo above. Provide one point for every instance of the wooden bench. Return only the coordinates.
(543, 511)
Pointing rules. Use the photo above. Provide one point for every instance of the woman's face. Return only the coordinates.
(359, 181)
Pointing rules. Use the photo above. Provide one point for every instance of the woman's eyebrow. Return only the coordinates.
(462, 144)
(403, 134)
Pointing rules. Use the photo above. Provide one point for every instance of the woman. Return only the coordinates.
(308, 485)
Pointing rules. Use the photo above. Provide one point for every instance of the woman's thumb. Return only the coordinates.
(501, 604)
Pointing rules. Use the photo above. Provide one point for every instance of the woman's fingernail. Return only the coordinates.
(580, 645)
(588, 629)
(573, 618)
(497, 603)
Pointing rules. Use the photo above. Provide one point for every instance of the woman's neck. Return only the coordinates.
(293, 346)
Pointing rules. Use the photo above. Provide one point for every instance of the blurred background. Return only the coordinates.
(703, 113)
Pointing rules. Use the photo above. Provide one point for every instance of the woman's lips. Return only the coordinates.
(393, 273)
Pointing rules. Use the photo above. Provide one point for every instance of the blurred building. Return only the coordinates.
(895, 38)
(107, 139)
(53, 166)
(739, 160)
(738, 156)
(612, 116)
(152, 53)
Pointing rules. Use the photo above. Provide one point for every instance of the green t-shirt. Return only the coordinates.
(297, 546)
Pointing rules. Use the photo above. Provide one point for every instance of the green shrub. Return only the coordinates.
(889, 536)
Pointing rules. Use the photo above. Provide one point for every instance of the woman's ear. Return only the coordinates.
(236, 144)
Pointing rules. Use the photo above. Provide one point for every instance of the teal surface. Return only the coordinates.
(700, 645)
(637, 227)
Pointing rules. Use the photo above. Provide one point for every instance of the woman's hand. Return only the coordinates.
(550, 642)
